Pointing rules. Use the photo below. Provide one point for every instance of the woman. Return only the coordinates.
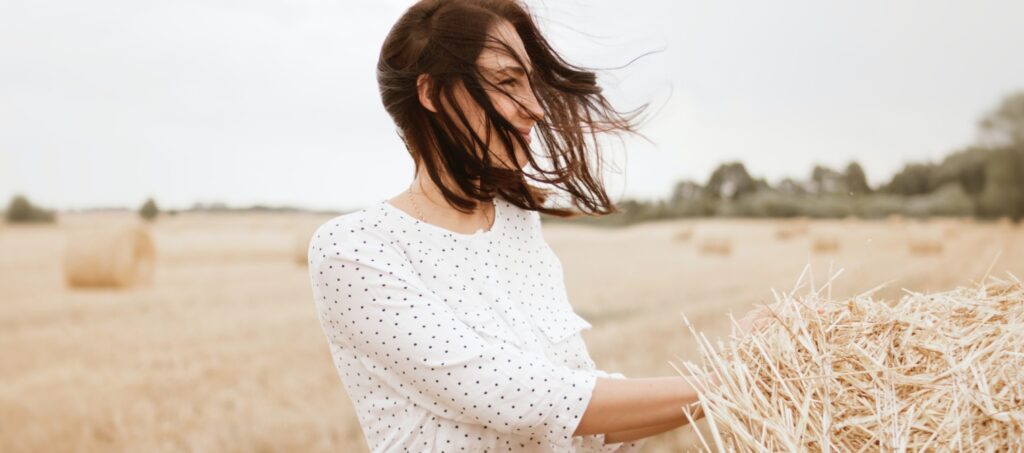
(444, 308)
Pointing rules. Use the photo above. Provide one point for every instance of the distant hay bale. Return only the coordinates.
(950, 231)
(789, 229)
(925, 245)
(783, 233)
(684, 234)
(825, 244)
(933, 372)
(715, 245)
(109, 257)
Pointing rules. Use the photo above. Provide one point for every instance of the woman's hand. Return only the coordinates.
(759, 318)
(755, 319)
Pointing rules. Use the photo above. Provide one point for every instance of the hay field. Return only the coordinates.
(223, 352)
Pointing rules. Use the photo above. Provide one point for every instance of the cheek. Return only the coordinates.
(506, 107)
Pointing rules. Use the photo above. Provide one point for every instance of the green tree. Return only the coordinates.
(966, 167)
(1005, 124)
(1002, 132)
(856, 180)
(686, 191)
(149, 211)
(21, 210)
(825, 180)
(790, 186)
(731, 181)
(1003, 194)
(914, 179)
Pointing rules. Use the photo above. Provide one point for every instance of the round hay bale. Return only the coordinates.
(951, 231)
(933, 372)
(924, 245)
(788, 229)
(825, 244)
(684, 234)
(715, 245)
(109, 257)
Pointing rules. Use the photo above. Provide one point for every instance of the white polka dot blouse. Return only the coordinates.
(451, 342)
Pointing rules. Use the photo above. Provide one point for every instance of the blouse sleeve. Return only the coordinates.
(371, 302)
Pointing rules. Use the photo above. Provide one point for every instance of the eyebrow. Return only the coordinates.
(516, 69)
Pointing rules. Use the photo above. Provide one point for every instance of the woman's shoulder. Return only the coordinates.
(351, 229)
(525, 219)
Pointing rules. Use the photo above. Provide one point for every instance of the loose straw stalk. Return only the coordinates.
(934, 372)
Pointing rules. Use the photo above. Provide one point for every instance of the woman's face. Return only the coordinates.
(502, 70)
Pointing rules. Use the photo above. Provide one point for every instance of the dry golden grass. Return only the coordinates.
(300, 247)
(223, 351)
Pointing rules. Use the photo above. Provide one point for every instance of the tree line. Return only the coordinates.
(984, 180)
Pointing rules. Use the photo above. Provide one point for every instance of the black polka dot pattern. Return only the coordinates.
(454, 342)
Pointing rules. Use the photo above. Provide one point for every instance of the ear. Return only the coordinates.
(423, 85)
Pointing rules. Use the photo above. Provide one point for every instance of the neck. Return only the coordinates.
(423, 188)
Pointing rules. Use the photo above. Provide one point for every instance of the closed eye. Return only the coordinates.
(508, 82)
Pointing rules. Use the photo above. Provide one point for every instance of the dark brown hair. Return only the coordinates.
(443, 39)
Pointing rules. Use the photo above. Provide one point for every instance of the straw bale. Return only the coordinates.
(683, 234)
(951, 231)
(788, 229)
(118, 256)
(932, 372)
(715, 245)
(825, 244)
(925, 245)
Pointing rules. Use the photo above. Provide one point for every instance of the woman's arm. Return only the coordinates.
(636, 406)
(643, 403)
(636, 434)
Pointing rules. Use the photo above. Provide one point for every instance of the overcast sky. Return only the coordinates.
(108, 102)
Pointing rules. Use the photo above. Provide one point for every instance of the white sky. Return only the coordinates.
(108, 102)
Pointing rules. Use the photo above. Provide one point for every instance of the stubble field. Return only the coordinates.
(223, 351)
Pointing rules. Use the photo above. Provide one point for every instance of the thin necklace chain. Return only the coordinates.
(416, 206)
